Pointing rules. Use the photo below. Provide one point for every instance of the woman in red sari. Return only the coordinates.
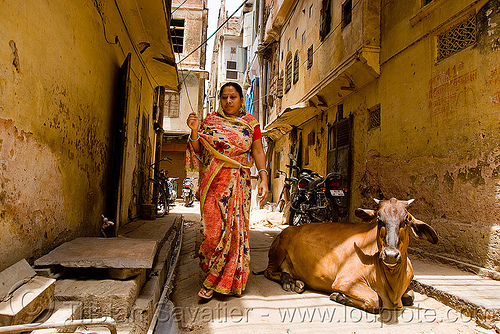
(223, 150)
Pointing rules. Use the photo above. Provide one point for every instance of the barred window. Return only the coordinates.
(296, 67)
(177, 32)
(231, 72)
(288, 72)
(310, 57)
(457, 38)
(374, 117)
(171, 104)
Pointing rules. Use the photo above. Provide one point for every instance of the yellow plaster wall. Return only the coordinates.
(58, 92)
(438, 139)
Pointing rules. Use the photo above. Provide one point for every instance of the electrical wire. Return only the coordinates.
(206, 40)
(178, 7)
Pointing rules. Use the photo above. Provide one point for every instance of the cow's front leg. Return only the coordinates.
(360, 296)
(290, 284)
(408, 297)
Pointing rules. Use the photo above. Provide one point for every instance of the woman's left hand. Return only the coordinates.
(263, 191)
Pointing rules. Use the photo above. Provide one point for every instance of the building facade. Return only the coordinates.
(402, 99)
(78, 93)
(189, 32)
(228, 43)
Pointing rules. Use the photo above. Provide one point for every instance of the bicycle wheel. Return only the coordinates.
(147, 197)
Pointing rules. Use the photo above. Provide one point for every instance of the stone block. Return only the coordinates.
(27, 302)
(101, 298)
(14, 276)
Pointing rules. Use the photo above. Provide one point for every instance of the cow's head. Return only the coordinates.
(394, 224)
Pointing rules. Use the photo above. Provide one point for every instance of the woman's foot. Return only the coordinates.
(206, 293)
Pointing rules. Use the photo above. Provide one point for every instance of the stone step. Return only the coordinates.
(474, 296)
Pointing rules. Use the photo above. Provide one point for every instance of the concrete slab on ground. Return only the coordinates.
(102, 253)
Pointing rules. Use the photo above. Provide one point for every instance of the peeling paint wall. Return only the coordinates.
(59, 79)
(440, 120)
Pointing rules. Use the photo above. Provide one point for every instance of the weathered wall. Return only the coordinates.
(58, 92)
(438, 139)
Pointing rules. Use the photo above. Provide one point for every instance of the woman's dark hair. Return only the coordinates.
(232, 84)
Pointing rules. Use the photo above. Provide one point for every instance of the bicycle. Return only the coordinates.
(155, 191)
(284, 198)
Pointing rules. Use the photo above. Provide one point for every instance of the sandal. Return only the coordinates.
(206, 293)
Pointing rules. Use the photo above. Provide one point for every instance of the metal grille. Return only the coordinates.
(457, 38)
(310, 57)
(375, 118)
(288, 72)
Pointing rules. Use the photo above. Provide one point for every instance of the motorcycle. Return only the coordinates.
(187, 192)
(336, 192)
(317, 198)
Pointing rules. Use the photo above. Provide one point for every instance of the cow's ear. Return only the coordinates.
(365, 214)
(423, 231)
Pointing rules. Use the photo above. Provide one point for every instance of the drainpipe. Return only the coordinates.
(109, 322)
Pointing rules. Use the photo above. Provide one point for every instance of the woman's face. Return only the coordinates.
(231, 101)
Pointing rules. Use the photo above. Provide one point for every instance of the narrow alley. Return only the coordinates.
(266, 308)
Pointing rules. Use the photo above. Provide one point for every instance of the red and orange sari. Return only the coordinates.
(224, 167)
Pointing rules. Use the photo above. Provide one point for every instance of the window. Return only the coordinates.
(311, 11)
(279, 86)
(346, 13)
(296, 33)
(172, 105)
(288, 72)
(374, 113)
(457, 38)
(296, 67)
(426, 2)
(177, 32)
(310, 52)
(231, 72)
(326, 19)
(288, 45)
(304, 37)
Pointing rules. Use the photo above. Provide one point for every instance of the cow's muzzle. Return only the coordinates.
(390, 256)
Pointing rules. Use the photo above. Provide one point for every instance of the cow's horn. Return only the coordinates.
(410, 201)
(377, 200)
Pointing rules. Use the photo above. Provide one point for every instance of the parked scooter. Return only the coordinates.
(187, 192)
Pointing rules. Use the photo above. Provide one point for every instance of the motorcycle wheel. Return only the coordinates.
(297, 218)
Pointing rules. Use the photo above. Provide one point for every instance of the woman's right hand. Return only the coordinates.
(193, 122)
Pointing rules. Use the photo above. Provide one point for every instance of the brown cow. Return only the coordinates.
(362, 265)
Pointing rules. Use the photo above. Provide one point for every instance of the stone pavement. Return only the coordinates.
(266, 308)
